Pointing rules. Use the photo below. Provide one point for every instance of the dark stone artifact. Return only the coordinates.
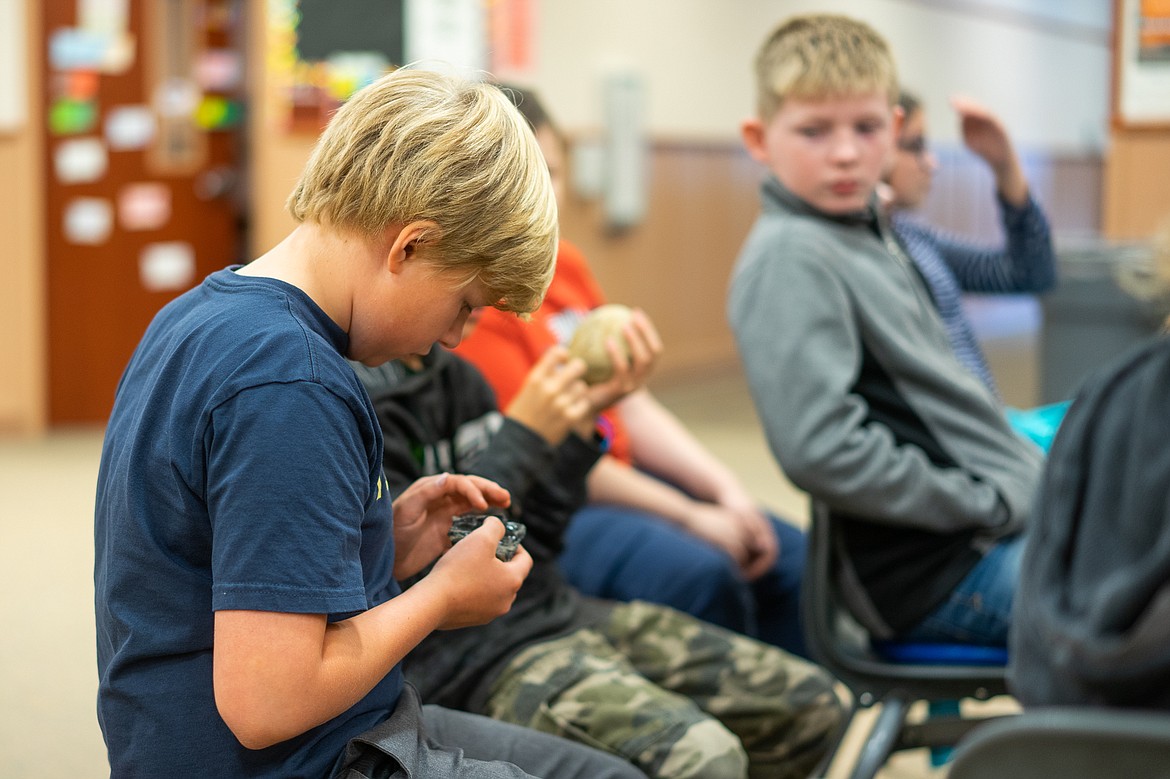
(514, 532)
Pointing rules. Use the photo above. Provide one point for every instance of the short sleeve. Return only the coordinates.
(288, 486)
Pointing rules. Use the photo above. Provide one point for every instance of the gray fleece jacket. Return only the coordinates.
(866, 407)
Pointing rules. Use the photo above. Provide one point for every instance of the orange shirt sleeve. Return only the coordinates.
(505, 347)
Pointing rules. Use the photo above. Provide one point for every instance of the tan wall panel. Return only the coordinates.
(23, 402)
(277, 156)
(676, 264)
(1137, 184)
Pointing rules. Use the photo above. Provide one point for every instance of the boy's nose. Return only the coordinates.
(844, 147)
(454, 334)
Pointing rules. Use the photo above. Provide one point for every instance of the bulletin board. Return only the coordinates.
(1141, 64)
(322, 51)
(325, 50)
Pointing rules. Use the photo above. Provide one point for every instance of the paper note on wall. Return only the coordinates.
(88, 220)
(144, 206)
(129, 127)
(169, 265)
(80, 160)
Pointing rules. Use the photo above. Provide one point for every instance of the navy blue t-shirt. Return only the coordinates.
(241, 469)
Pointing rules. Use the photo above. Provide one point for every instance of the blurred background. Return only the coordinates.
(146, 143)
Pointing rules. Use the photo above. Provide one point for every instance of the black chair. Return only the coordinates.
(898, 675)
(1070, 743)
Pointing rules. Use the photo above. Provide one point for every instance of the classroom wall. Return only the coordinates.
(1137, 184)
(693, 58)
(1043, 66)
(694, 63)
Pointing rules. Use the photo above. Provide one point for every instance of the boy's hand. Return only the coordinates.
(984, 134)
(553, 399)
(423, 513)
(645, 347)
(753, 546)
(477, 586)
(759, 539)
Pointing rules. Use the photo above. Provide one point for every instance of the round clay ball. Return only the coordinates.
(588, 343)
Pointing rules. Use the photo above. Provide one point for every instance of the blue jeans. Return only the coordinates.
(621, 554)
(979, 609)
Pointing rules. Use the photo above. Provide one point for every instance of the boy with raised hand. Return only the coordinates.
(666, 520)
(249, 619)
(864, 402)
(1024, 262)
(679, 698)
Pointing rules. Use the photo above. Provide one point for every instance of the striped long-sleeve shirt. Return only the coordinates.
(951, 266)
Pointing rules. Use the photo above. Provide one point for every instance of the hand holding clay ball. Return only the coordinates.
(588, 343)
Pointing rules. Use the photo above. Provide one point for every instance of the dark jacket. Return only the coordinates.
(445, 418)
(1091, 622)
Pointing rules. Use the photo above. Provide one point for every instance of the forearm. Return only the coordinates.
(1010, 182)
(1026, 263)
(279, 675)
(611, 481)
(662, 445)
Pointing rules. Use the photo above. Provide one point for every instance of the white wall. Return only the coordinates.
(1042, 65)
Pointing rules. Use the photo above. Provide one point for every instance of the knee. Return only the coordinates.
(706, 750)
(806, 726)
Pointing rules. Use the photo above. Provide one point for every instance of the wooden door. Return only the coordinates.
(144, 163)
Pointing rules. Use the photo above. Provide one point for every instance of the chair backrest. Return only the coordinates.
(1070, 743)
(841, 644)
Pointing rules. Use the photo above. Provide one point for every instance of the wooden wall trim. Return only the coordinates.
(23, 393)
(1137, 185)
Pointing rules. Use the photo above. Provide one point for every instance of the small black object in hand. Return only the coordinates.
(514, 532)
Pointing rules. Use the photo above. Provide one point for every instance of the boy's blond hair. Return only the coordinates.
(822, 56)
(419, 145)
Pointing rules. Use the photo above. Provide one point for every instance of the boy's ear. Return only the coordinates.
(407, 240)
(899, 120)
(753, 131)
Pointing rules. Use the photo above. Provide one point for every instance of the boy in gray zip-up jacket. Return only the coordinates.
(864, 403)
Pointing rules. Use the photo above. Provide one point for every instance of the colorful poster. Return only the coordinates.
(1154, 31)
(1142, 63)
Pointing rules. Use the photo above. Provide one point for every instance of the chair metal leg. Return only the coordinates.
(882, 737)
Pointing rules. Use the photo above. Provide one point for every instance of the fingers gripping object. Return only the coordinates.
(588, 342)
(514, 533)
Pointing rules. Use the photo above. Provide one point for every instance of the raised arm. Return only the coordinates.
(1026, 262)
(985, 135)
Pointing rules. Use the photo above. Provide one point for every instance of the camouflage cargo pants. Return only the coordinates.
(676, 696)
